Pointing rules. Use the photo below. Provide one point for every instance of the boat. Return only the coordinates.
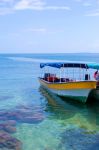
(73, 80)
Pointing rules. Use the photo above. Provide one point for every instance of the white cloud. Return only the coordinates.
(93, 7)
(56, 8)
(29, 4)
(8, 6)
(88, 3)
(93, 14)
(37, 5)
(44, 30)
(85, 2)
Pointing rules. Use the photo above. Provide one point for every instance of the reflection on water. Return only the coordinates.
(78, 120)
(83, 115)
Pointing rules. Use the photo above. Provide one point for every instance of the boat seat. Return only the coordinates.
(52, 79)
(64, 79)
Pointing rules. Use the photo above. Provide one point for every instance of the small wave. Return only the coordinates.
(25, 59)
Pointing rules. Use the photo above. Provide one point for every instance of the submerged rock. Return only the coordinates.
(22, 114)
(8, 142)
(10, 129)
(10, 122)
(8, 126)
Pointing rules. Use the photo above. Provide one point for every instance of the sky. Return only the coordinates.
(53, 26)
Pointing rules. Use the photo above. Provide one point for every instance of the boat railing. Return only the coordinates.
(53, 78)
(57, 79)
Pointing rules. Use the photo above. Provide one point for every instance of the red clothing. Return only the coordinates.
(95, 74)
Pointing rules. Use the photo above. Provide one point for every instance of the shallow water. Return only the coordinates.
(38, 119)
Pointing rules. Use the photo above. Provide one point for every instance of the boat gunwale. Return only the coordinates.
(80, 81)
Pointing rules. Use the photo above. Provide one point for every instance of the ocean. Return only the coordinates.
(33, 119)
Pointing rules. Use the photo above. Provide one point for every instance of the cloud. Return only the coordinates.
(86, 3)
(29, 4)
(93, 14)
(56, 8)
(44, 30)
(9, 6)
(92, 5)
(38, 5)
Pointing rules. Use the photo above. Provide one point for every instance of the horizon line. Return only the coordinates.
(50, 53)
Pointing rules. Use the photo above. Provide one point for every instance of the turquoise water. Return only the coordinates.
(39, 120)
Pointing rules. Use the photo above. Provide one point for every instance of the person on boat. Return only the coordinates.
(96, 75)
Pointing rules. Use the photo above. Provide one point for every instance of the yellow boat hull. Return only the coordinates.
(78, 90)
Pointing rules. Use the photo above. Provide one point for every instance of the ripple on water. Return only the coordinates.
(78, 139)
(4, 98)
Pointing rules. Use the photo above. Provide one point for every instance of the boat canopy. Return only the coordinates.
(93, 66)
(60, 65)
(71, 65)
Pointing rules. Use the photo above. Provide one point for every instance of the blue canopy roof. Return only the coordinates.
(56, 65)
(60, 64)
(70, 64)
(93, 66)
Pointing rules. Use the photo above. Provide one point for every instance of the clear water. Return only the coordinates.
(45, 121)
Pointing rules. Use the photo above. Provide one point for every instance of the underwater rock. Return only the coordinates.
(22, 114)
(8, 126)
(3, 118)
(11, 122)
(9, 142)
(8, 122)
(9, 129)
(1, 127)
(4, 115)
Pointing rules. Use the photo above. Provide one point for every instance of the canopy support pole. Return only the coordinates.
(60, 75)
